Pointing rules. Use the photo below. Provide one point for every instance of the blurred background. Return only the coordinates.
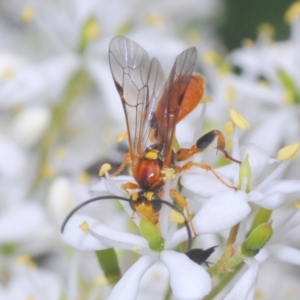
(60, 112)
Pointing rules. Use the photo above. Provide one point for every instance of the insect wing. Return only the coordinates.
(139, 82)
(172, 97)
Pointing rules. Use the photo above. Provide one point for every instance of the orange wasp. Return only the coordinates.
(152, 108)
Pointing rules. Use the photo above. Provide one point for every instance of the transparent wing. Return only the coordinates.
(139, 82)
(168, 106)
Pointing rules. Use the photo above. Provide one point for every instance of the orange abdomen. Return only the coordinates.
(147, 174)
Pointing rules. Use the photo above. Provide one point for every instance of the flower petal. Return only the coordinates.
(188, 280)
(285, 253)
(283, 186)
(271, 201)
(244, 287)
(128, 285)
(19, 224)
(221, 212)
(203, 184)
(100, 237)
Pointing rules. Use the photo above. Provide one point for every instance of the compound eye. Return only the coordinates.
(156, 203)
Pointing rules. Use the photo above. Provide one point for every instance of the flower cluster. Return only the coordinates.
(59, 113)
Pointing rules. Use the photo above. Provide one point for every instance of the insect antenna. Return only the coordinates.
(161, 201)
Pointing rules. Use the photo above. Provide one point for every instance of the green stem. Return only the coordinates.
(225, 279)
(78, 86)
(108, 261)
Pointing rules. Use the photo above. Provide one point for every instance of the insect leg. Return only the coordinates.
(183, 203)
(202, 143)
(206, 167)
(126, 158)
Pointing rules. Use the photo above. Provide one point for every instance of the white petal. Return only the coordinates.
(270, 201)
(188, 280)
(203, 184)
(21, 223)
(221, 212)
(12, 159)
(285, 253)
(128, 285)
(106, 236)
(244, 287)
(258, 160)
(30, 124)
(283, 186)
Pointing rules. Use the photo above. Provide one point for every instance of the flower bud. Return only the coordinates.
(256, 240)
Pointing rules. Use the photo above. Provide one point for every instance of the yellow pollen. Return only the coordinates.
(60, 153)
(155, 20)
(169, 173)
(92, 29)
(26, 260)
(101, 281)
(211, 57)
(293, 12)
(267, 30)
(247, 43)
(205, 100)
(49, 171)
(288, 97)
(176, 216)
(231, 94)
(8, 73)
(229, 144)
(297, 205)
(193, 37)
(136, 248)
(122, 136)
(228, 128)
(104, 168)
(84, 177)
(238, 119)
(27, 14)
(289, 152)
(84, 226)
(258, 295)
(30, 298)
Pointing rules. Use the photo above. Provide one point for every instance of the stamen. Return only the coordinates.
(84, 177)
(176, 217)
(84, 226)
(169, 173)
(122, 136)
(231, 94)
(26, 260)
(49, 171)
(211, 57)
(136, 248)
(101, 281)
(293, 12)
(155, 20)
(27, 14)
(289, 152)
(105, 168)
(228, 128)
(8, 73)
(238, 119)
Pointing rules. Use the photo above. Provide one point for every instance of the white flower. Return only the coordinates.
(265, 187)
(28, 283)
(187, 279)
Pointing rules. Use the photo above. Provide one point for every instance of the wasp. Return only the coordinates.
(153, 106)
